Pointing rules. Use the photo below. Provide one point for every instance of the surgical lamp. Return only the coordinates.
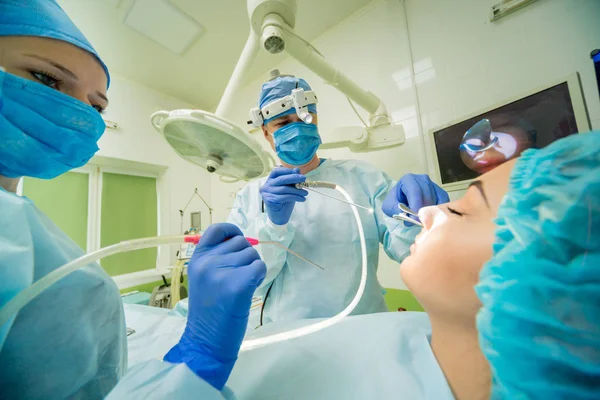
(221, 146)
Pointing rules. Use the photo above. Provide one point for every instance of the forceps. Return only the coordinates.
(405, 217)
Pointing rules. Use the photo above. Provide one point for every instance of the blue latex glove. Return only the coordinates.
(414, 191)
(280, 195)
(223, 274)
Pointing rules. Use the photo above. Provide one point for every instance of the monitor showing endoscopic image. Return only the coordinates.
(476, 144)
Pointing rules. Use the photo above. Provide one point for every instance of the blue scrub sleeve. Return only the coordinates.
(261, 228)
(395, 237)
(163, 380)
(16, 250)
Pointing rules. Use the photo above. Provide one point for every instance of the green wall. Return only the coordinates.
(128, 198)
(64, 200)
(395, 299)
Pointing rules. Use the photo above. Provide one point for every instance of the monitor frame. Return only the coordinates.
(579, 109)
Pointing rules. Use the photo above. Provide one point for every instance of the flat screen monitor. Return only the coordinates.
(533, 120)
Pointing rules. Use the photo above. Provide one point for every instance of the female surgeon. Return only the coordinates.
(524, 242)
(70, 341)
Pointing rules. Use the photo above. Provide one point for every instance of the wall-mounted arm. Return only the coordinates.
(235, 82)
(380, 134)
(304, 53)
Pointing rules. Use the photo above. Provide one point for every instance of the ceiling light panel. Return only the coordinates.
(162, 22)
(113, 2)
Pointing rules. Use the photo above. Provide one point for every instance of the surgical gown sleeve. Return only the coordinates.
(16, 253)
(247, 213)
(163, 380)
(395, 237)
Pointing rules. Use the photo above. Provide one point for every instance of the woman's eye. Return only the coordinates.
(46, 79)
(453, 211)
(100, 109)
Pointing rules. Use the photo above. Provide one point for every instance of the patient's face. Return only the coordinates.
(455, 242)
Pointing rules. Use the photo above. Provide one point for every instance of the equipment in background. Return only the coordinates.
(540, 116)
(168, 294)
(221, 146)
(195, 220)
(506, 7)
(176, 291)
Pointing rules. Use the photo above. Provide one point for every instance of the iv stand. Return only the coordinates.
(210, 209)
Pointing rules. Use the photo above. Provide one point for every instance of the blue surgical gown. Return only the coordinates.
(324, 231)
(70, 341)
(376, 356)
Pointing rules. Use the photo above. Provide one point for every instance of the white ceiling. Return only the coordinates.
(200, 75)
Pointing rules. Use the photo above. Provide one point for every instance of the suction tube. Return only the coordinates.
(24, 297)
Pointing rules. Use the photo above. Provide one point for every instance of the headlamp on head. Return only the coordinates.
(298, 99)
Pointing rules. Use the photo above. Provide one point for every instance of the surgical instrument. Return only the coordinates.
(407, 210)
(406, 218)
(310, 185)
(403, 217)
(254, 242)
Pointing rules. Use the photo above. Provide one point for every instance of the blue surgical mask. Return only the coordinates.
(43, 132)
(297, 143)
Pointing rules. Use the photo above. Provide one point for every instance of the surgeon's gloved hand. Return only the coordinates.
(280, 195)
(414, 191)
(223, 274)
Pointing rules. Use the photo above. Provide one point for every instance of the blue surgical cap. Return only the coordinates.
(42, 18)
(280, 87)
(539, 326)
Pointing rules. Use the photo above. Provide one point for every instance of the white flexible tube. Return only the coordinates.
(24, 297)
(305, 330)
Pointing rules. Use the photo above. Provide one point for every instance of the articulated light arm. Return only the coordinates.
(380, 134)
(235, 82)
(272, 28)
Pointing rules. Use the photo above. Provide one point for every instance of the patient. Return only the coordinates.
(537, 220)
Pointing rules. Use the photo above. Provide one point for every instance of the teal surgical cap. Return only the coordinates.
(280, 87)
(539, 326)
(42, 18)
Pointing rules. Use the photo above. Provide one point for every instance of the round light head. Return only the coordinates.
(213, 143)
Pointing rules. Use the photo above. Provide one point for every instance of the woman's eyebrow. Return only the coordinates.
(479, 185)
(102, 96)
(55, 65)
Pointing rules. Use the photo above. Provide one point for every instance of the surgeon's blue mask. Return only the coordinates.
(44, 133)
(297, 143)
